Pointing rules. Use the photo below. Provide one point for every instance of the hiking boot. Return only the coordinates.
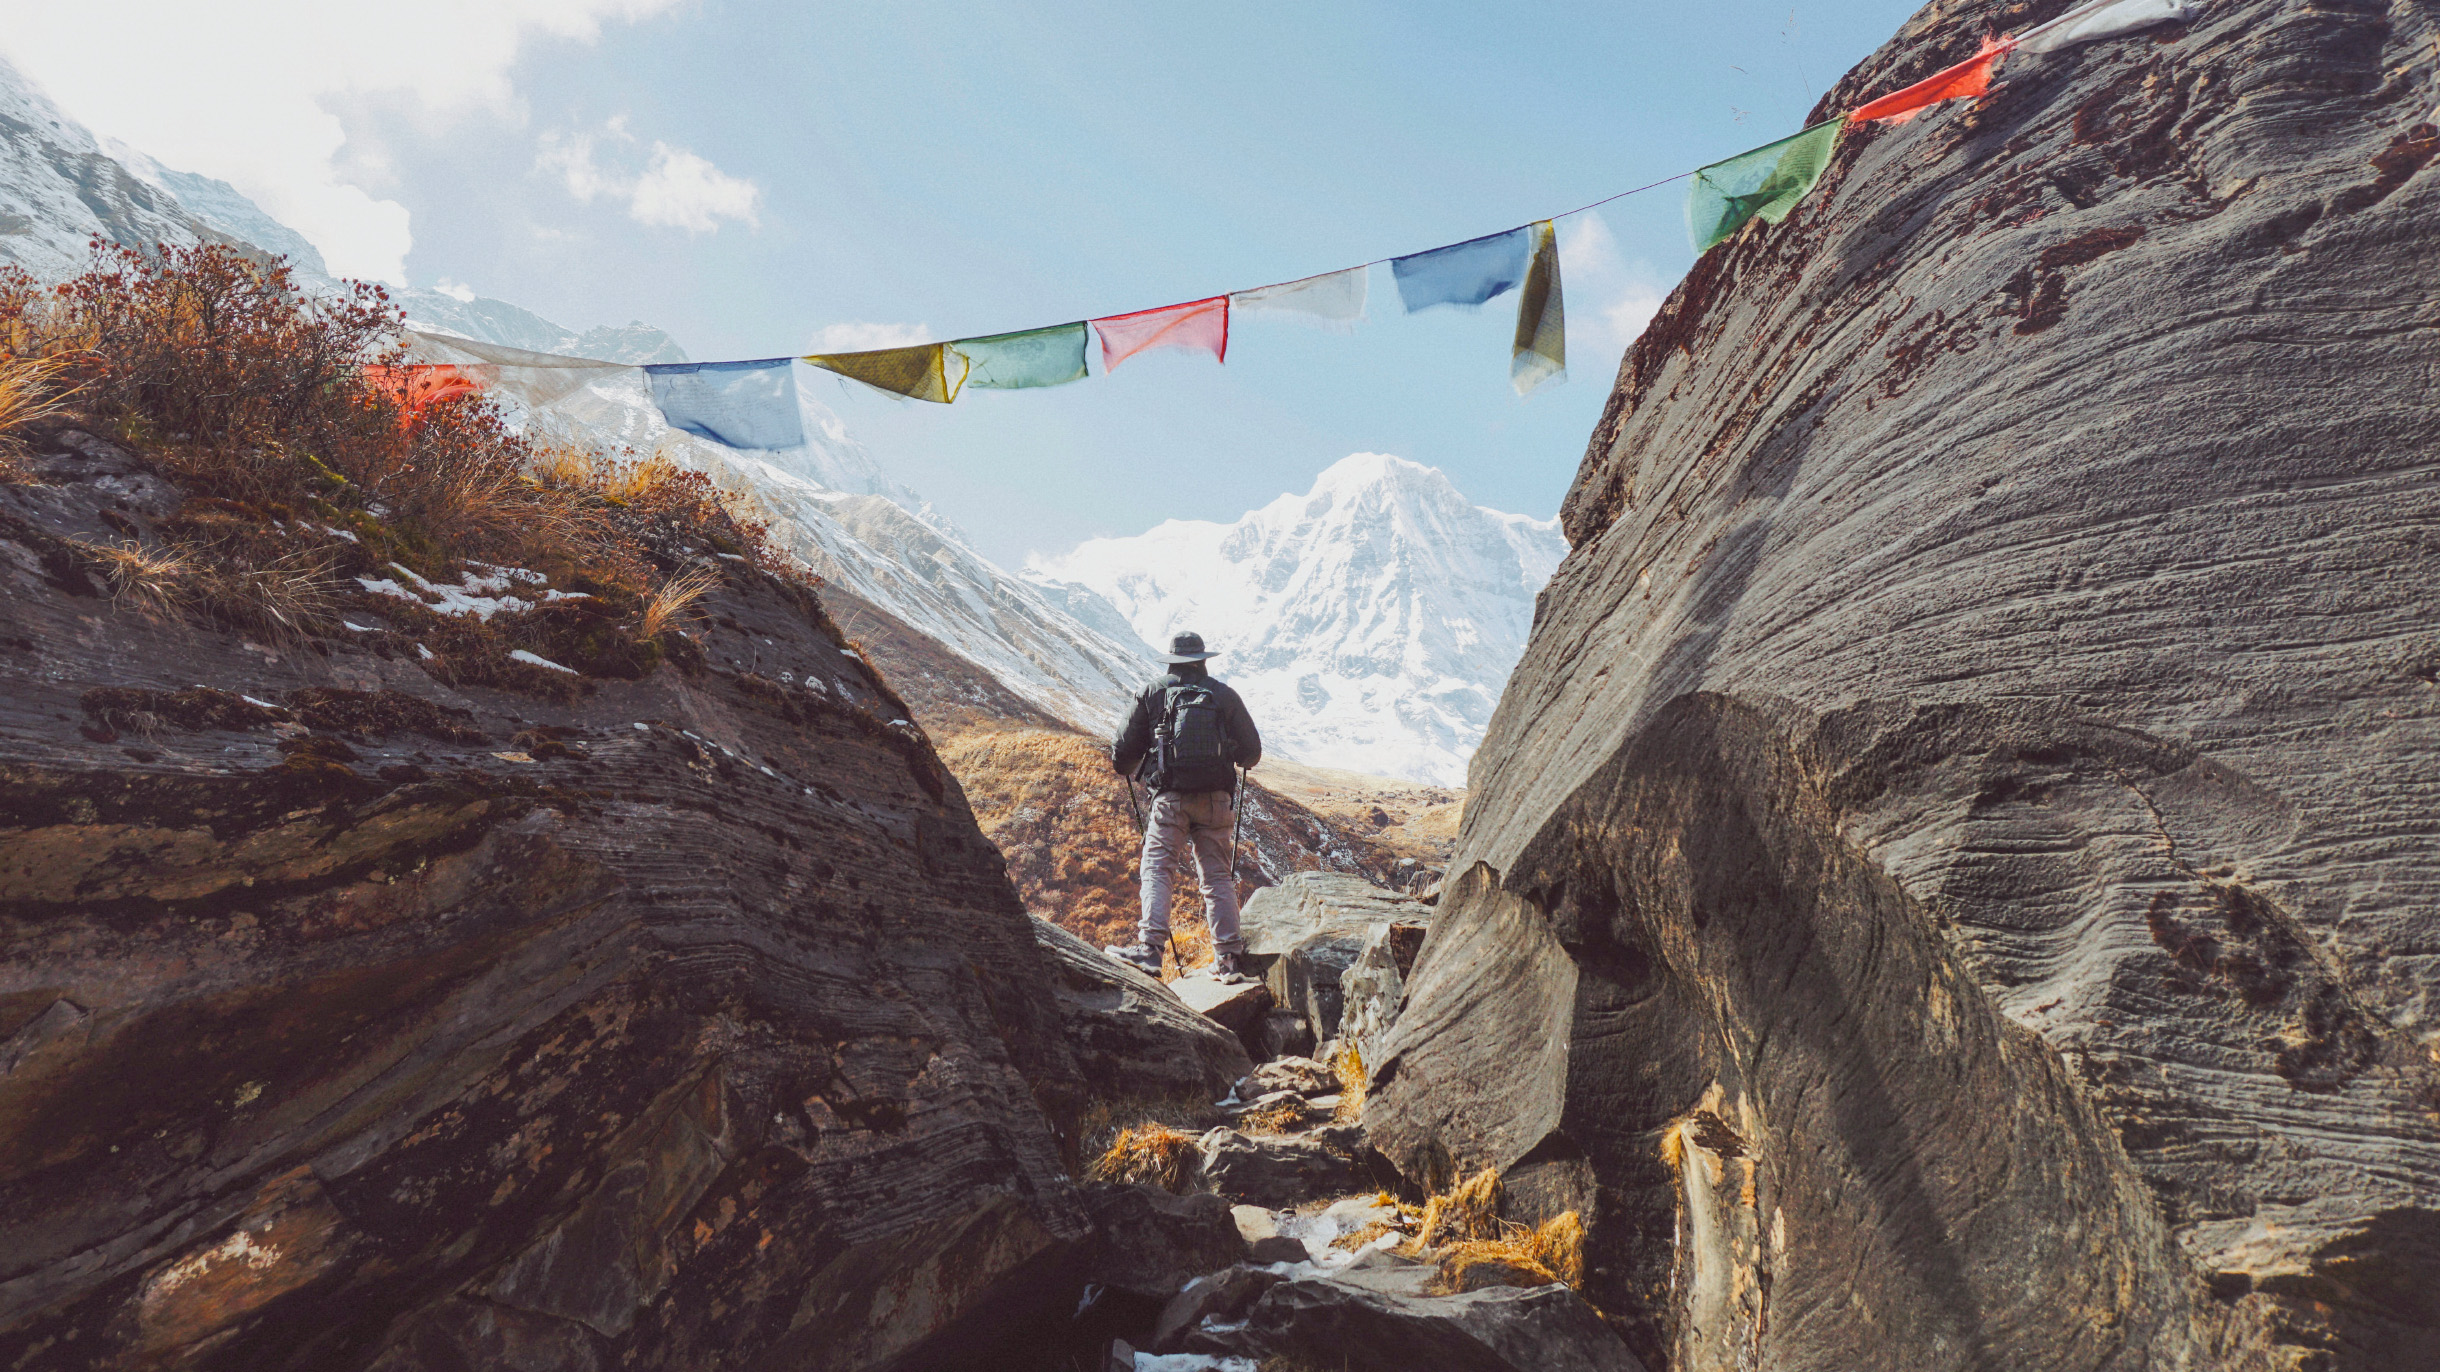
(1226, 967)
(1140, 955)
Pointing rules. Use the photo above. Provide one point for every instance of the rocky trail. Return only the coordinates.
(1950, 886)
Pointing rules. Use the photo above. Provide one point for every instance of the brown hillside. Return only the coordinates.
(1048, 798)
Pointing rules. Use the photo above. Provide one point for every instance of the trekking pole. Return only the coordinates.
(1236, 815)
(1131, 808)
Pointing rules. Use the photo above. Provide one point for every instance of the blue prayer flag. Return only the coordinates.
(1467, 273)
(741, 404)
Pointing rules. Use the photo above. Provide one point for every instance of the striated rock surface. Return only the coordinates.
(1304, 933)
(1958, 847)
(1134, 1040)
(351, 1020)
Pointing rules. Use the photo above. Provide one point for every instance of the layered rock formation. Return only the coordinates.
(352, 1020)
(1951, 883)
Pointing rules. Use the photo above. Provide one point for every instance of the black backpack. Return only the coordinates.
(1190, 747)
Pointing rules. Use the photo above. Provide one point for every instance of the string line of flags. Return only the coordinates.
(752, 403)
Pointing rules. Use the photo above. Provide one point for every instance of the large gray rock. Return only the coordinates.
(1150, 1243)
(1276, 1170)
(1971, 782)
(1350, 1323)
(1237, 1006)
(710, 1035)
(1303, 933)
(1134, 1039)
(1374, 985)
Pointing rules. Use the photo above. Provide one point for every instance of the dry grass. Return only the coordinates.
(32, 389)
(1559, 1246)
(1284, 1118)
(311, 453)
(673, 602)
(153, 580)
(1471, 1212)
(1520, 1257)
(1475, 1264)
(284, 599)
(1477, 1248)
(1348, 1066)
(1149, 1155)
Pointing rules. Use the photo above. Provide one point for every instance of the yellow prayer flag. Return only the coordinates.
(927, 371)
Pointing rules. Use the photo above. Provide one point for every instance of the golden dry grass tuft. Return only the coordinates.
(673, 602)
(1559, 1245)
(1149, 1155)
(1348, 1066)
(1476, 1263)
(153, 580)
(32, 389)
(1470, 1212)
(1283, 1118)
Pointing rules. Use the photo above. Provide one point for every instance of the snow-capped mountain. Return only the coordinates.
(1370, 622)
(59, 188)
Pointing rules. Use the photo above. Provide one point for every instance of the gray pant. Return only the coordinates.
(1203, 821)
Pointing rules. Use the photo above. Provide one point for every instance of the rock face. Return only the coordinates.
(1151, 1243)
(1305, 932)
(1956, 848)
(1373, 988)
(1134, 1040)
(351, 1020)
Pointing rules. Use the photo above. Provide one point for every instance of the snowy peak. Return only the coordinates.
(1371, 620)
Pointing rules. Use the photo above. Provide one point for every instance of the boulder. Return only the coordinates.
(1303, 933)
(1304, 1076)
(1133, 1037)
(1378, 1326)
(1374, 985)
(1284, 1034)
(1236, 1006)
(1957, 844)
(1150, 1243)
(711, 1034)
(1275, 1170)
(1220, 1297)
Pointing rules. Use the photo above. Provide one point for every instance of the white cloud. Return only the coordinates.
(1609, 297)
(682, 191)
(862, 337)
(455, 291)
(678, 189)
(246, 93)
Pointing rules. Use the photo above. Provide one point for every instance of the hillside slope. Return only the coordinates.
(1967, 799)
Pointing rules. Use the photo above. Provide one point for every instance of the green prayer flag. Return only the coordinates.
(1020, 361)
(924, 371)
(1540, 351)
(1765, 183)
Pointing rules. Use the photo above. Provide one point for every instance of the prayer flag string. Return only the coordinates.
(753, 404)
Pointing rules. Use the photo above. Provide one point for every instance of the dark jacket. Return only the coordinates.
(1134, 741)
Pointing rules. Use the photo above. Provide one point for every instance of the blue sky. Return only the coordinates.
(748, 175)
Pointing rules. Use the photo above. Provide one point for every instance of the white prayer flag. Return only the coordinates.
(1333, 300)
(2102, 19)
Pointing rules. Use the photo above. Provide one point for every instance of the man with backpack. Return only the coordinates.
(1186, 738)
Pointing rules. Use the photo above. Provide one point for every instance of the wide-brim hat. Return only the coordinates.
(1186, 648)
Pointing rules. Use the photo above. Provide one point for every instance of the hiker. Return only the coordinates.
(1186, 738)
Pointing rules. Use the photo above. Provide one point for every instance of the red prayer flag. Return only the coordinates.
(1196, 324)
(420, 386)
(1970, 77)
